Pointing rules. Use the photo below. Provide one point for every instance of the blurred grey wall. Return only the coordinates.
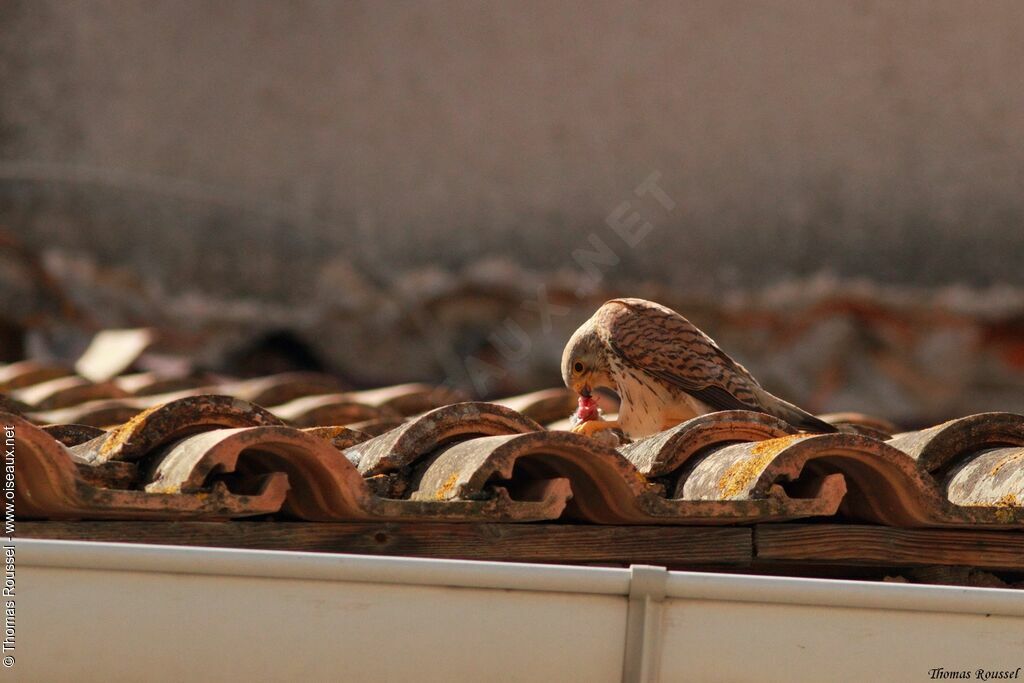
(243, 147)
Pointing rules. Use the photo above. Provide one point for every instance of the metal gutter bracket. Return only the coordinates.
(643, 623)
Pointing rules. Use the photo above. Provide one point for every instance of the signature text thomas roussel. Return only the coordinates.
(976, 675)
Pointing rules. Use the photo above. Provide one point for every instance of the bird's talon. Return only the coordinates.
(591, 427)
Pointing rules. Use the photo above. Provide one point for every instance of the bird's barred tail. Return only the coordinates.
(797, 417)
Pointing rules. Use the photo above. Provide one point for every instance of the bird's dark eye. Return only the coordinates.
(577, 367)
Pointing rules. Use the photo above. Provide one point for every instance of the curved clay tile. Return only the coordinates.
(993, 477)
(418, 437)
(545, 406)
(325, 486)
(325, 410)
(10, 405)
(276, 389)
(153, 383)
(378, 427)
(566, 424)
(942, 445)
(339, 437)
(885, 484)
(66, 391)
(165, 423)
(606, 488)
(51, 486)
(111, 352)
(605, 485)
(111, 475)
(73, 434)
(667, 451)
(102, 413)
(145, 401)
(28, 372)
(109, 412)
(409, 399)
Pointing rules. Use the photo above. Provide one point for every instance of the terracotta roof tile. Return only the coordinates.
(885, 485)
(303, 399)
(340, 437)
(402, 446)
(409, 399)
(11, 405)
(102, 413)
(545, 406)
(607, 488)
(325, 485)
(667, 451)
(162, 424)
(28, 372)
(991, 478)
(937, 447)
(277, 389)
(51, 485)
(112, 352)
(154, 383)
(73, 434)
(308, 450)
(378, 426)
(63, 392)
(329, 409)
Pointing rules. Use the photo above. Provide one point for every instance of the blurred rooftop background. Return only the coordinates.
(377, 187)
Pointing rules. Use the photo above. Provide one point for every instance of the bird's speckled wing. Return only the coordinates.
(670, 348)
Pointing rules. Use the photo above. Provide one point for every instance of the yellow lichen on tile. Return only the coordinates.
(124, 432)
(1006, 461)
(738, 477)
(1008, 501)
(165, 489)
(446, 487)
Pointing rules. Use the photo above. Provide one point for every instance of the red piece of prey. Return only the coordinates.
(586, 410)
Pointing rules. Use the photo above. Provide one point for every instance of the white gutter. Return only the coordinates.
(513, 576)
(321, 567)
(668, 624)
(852, 594)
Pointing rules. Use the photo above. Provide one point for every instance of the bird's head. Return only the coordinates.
(584, 363)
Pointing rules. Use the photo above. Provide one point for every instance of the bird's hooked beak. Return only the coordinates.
(591, 384)
(584, 386)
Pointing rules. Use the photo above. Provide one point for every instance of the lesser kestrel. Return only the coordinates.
(664, 370)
